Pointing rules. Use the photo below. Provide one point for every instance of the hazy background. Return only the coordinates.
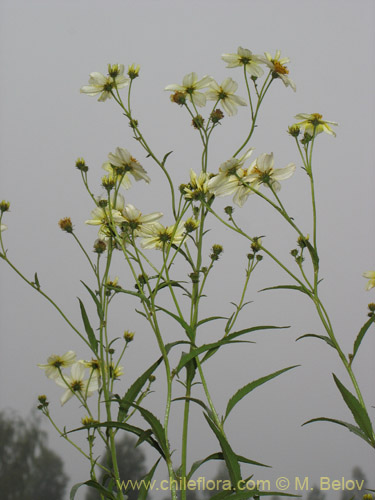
(48, 48)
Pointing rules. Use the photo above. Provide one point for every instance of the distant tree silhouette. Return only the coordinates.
(29, 470)
(131, 463)
(356, 494)
(315, 494)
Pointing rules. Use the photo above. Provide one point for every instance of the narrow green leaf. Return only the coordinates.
(219, 456)
(166, 284)
(197, 401)
(287, 287)
(360, 336)
(165, 157)
(350, 427)
(241, 393)
(230, 457)
(95, 299)
(321, 337)
(254, 329)
(133, 391)
(211, 318)
(36, 281)
(93, 484)
(156, 427)
(126, 427)
(185, 326)
(143, 491)
(130, 292)
(359, 413)
(88, 328)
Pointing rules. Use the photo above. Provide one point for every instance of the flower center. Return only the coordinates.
(279, 68)
(77, 385)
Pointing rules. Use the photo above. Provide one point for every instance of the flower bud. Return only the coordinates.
(294, 252)
(294, 130)
(4, 206)
(256, 244)
(108, 182)
(152, 378)
(100, 246)
(191, 225)
(216, 115)
(81, 165)
(128, 336)
(133, 71)
(114, 70)
(179, 98)
(197, 121)
(229, 210)
(66, 224)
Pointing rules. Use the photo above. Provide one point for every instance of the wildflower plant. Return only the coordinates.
(152, 252)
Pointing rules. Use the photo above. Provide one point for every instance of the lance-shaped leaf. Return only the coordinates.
(185, 326)
(88, 328)
(321, 337)
(126, 427)
(233, 335)
(359, 413)
(219, 456)
(241, 393)
(95, 299)
(350, 427)
(133, 391)
(360, 336)
(211, 318)
(156, 427)
(146, 481)
(288, 287)
(94, 484)
(187, 356)
(198, 402)
(230, 457)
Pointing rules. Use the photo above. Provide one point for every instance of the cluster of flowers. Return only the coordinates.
(76, 384)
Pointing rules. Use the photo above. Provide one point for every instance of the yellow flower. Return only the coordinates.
(370, 275)
(225, 94)
(104, 85)
(244, 57)
(278, 68)
(158, 236)
(229, 179)
(76, 384)
(135, 221)
(314, 124)
(261, 171)
(121, 164)
(190, 87)
(56, 363)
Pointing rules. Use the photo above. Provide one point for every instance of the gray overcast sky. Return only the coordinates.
(47, 50)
